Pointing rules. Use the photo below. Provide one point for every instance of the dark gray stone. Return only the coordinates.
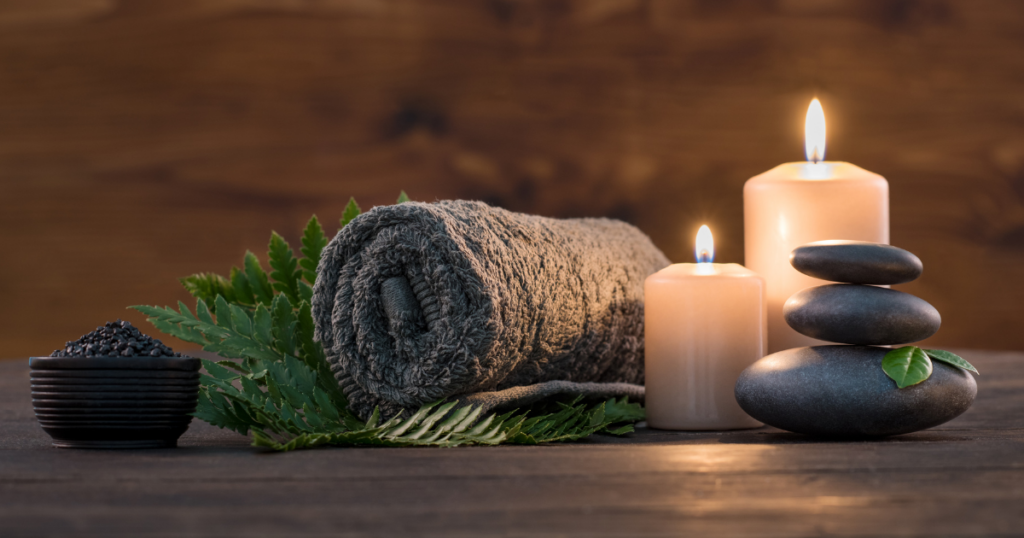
(862, 315)
(842, 391)
(856, 262)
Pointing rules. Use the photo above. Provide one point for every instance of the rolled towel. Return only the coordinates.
(418, 302)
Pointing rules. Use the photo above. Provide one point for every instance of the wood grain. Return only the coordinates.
(143, 141)
(960, 479)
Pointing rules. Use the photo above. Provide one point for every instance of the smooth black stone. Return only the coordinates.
(843, 391)
(856, 262)
(862, 315)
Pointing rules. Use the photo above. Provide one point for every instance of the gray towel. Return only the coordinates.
(419, 302)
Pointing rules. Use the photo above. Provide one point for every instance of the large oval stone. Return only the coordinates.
(842, 391)
(856, 262)
(864, 315)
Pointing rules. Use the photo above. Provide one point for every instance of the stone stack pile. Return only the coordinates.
(841, 389)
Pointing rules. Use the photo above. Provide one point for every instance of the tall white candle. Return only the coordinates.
(703, 324)
(798, 203)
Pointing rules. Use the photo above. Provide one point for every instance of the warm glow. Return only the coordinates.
(705, 245)
(814, 133)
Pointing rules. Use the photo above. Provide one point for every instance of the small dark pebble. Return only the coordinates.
(116, 338)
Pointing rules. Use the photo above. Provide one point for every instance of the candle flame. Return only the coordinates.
(814, 133)
(705, 245)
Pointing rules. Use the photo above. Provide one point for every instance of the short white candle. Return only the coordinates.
(798, 203)
(704, 323)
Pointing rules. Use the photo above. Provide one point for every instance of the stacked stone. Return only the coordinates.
(857, 311)
(842, 389)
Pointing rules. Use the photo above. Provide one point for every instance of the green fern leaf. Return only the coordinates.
(258, 282)
(161, 318)
(240, 320)
(402, 198)
(301, 377)
(215, 409)
(326, 406)
(232, 365)
(284, 324)
(262, 326)
(284, 265)
(203, 312)
(313, 419)
(628, 428)
(219, 372)
(617, 411)
(460, 420)
(313, 243)
(351, 211)
(207, 286)
(305, 292)
(242, 291)
(312, 353)
(224, 319)
(428, 423)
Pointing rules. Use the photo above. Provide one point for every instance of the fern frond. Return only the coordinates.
(243, 292)
(257, 278)
(285, 267)
(207, 286)
(313, 243)
(284, 324)
(351, 211)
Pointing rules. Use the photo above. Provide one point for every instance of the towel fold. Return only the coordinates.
(419, 302)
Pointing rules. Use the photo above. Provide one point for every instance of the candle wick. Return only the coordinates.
(704, 256)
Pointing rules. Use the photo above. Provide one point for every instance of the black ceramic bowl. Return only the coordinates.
(114, 402)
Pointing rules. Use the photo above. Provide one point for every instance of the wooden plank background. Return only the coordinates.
(142, 141)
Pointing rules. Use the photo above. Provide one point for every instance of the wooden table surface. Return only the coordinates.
(965, 478)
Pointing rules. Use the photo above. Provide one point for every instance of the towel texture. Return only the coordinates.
(417, 302)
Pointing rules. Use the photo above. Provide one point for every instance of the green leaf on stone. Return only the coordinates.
(402, 198)
(907, 366)
(951, 358)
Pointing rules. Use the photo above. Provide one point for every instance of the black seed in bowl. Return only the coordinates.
(114, 388)
(115, 338)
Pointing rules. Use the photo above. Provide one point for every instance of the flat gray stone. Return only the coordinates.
(863, 315)
(842, 391)
(856, 262)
